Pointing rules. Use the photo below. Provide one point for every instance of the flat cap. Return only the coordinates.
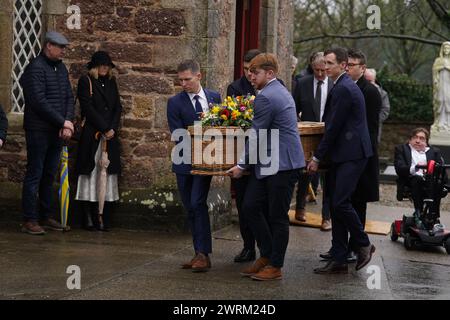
(56, 37)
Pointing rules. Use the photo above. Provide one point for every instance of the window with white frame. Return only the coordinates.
(26, 44)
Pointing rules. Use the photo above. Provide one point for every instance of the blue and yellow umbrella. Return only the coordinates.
(64, 188)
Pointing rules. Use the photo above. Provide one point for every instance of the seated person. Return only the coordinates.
(416, 152)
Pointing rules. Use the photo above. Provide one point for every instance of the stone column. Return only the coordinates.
(6, 39)
(277, 33)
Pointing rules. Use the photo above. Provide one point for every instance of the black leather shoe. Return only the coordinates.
(332, 267)
(245, 256)
(364, 256)
(326, 256)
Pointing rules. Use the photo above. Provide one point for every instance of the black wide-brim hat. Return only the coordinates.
(100, 58)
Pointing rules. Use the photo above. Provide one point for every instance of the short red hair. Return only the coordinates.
(265, 61)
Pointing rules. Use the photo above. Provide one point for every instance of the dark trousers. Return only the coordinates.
(418, 192)
(43, 155)
(302, 191)
(270, 226)
(360, 207)
(194, 194)
(343, 178)
(240, 186)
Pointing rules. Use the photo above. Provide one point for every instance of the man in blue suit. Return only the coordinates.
(347, 142)
(272, 178)
(182, 110)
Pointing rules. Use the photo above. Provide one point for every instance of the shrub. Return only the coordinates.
(410, 100)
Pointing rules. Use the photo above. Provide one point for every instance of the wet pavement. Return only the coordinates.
(126, 264)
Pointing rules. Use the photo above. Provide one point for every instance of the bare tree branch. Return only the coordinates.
(367, 36)
(440, 11)
(424, 20)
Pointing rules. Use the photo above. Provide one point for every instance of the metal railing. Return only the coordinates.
(26, 44)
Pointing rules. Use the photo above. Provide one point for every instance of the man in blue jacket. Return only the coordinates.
(182, 110)
(48, 115)
(347, 142)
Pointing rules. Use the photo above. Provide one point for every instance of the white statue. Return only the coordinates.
(441, 90)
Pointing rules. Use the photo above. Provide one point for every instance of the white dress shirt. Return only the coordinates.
(417, 157)
(323, 99)
(203, 101)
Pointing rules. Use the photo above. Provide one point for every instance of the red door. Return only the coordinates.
(247, 31)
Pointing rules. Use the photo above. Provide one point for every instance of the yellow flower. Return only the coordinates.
(224, 117)
(235, 114)
(215, 110)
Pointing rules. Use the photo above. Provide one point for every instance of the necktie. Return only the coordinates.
(318, 100)
(198, 105)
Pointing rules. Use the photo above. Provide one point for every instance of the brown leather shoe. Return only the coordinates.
(364, 256)
(255, 268)
(268, 273)
(188, 265)
(201, 263)
(33, 228)
(300, 215)
(326, 225)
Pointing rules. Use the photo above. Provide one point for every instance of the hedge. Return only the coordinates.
(410, 100)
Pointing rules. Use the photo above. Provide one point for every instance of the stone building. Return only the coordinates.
(146, 39)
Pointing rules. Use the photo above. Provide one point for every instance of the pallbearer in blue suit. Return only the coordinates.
(347, 142)
(182, 110)
(271, 183)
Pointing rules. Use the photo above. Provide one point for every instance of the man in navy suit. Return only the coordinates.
(182, 110)
(347, 142)
(272, 178)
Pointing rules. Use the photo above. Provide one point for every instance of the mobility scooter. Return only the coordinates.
(424, 227)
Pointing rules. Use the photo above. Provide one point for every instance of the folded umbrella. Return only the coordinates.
(102, 180)
(64, 188)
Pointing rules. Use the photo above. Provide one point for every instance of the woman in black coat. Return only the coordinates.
(101, 110)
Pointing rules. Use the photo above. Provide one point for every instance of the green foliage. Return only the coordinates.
(410, 100)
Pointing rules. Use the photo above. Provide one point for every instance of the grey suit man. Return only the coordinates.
(270, 185)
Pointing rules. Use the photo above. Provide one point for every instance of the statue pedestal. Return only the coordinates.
(441, 140)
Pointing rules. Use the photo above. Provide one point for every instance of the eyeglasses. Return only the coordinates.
(354, 64)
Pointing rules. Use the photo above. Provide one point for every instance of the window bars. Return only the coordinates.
(26, 44)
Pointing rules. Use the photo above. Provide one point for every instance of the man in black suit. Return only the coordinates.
(416, 152)
(347, 142)
(243, 87)
(310, 97)
(3, 126)
(367, 189)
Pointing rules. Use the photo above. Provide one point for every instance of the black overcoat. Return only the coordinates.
(368, 186)
(102, 112)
